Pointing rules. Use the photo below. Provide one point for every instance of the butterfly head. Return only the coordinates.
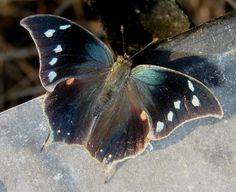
(121, 66)
(124, 60)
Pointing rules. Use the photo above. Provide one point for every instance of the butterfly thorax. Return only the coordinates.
(114, 83)
(118, 73)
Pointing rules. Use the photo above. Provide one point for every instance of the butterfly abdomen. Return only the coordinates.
(113, 85)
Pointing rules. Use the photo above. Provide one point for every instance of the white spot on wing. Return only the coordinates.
(52, 75)
(195, 101)
(170, 116)
(190, 85)
(63, 27)
(49, 32)
(177, 104)
(53, 61)
(160, 126)
(58, 49)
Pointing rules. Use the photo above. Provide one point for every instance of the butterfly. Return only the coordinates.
(102, 102)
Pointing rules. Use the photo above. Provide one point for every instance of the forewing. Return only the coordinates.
(172, 98)
(66, 49)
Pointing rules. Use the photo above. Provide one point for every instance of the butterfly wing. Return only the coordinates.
(69, 108)
(73, 67)
(121, 131)
(155, 101)
(171, 98)
(66, 49)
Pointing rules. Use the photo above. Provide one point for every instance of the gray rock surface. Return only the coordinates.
(199, 156)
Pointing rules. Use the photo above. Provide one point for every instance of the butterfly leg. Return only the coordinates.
(46, 142)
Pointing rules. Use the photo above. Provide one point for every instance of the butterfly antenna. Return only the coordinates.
(155, 40)
(123, 38)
